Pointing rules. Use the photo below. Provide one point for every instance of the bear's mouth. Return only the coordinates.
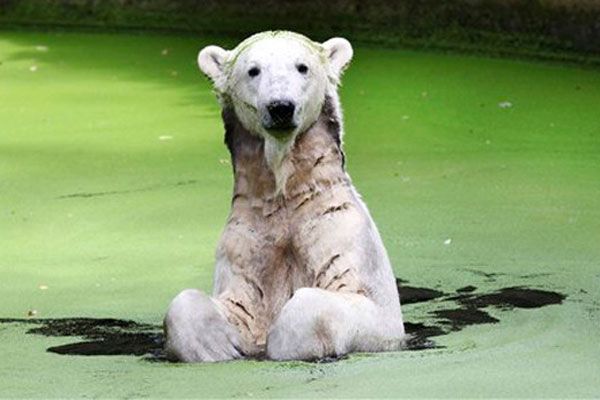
(280, 131)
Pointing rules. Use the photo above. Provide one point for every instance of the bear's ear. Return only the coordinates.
(339, 51)
(211, 60)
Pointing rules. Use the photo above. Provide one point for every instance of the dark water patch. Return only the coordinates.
(102, 336)
(466, 289)
(420, 336)
(121, 344)
(471, 305)
(459, 318)
(465, 307)
(87, 327)
(512, 297)
(468, 308)
(413, 294)
(537, 275)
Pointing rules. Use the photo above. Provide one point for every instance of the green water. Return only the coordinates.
(115, 184)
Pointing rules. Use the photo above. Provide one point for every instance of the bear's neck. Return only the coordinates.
(314, 161)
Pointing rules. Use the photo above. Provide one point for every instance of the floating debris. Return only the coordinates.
(32, 313)
(448, 241)
(41, 48)
(33, 68)
(405, 118)
(224, 161)
(165, 137)
(164, 52)
(505, 104)
(43, 287)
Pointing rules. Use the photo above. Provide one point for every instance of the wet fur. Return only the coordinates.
(301, 271)
(261, 236)
(315, 234)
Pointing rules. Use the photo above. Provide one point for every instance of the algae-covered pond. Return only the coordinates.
(482, 174)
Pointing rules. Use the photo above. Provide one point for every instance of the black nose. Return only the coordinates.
(282, 113)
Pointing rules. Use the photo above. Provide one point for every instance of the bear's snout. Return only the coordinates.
(281, 113)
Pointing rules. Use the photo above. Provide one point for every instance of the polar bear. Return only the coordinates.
(301, 271)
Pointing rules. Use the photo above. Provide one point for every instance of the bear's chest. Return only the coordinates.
(283, 238)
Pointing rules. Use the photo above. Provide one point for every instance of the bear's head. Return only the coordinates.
(276, 82)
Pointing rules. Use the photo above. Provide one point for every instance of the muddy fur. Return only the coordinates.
(301, 272)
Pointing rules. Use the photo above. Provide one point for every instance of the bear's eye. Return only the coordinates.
(254, 71)
(302, 68)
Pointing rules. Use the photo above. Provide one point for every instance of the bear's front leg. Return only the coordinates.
(317, 323)
(197, 329)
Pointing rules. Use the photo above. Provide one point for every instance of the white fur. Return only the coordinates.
(314, 322)
(339, 52)
(276, 54)
(211, 60)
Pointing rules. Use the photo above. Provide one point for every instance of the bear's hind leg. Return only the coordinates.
(196, 329)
